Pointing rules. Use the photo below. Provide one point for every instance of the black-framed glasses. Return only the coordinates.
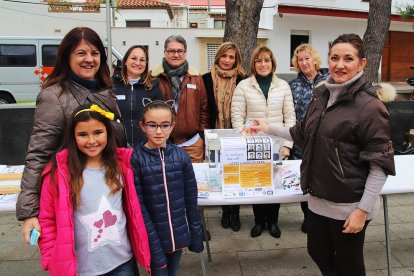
(166, 126)
(171, 52)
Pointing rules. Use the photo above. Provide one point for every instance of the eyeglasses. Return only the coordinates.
(163, 126)
(179, 52)
(266, 60)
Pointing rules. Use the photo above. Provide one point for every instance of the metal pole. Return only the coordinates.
(108, 35)
(387, 234)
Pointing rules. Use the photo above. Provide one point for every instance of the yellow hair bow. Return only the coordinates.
(96, 108)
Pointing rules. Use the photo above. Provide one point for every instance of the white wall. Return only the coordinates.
(159, 18)
(356, 5)
(35, 20)
(319, 35)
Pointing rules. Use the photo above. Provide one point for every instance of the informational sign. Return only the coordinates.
(247, 166)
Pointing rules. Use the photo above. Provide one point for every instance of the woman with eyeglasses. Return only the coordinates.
(131, 87)
(263, 95)
(220, 84)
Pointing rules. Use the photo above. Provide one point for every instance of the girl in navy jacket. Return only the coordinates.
(167, 190)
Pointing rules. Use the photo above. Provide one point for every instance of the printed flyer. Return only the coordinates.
(247, 166)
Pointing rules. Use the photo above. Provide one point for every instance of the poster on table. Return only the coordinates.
(247, 166)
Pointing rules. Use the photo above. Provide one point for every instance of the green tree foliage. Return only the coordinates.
(406, 12)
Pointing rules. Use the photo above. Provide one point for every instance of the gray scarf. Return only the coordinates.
(174, 75)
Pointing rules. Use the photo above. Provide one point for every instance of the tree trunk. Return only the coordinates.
(377, 29)
(242, 26)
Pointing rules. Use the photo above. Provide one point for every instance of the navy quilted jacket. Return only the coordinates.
(302, 90)
(168, 198)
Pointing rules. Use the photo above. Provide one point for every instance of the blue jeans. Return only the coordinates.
(128, 268)
(173, 262)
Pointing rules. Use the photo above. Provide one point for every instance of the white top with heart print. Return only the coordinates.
(101, 241)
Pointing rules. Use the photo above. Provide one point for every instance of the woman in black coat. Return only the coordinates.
(131, 87)
(220, 84)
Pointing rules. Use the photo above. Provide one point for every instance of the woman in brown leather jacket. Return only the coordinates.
(346, 158)
(80, 76)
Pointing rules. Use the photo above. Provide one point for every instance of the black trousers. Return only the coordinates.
(266, 213)
(233, 210)
(334, 252)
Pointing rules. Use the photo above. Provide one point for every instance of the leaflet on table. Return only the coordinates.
(11, 172)
(208, 179)
(10, 198)
(201, 175)
(247, 165)
(10, 177)
(291, 176)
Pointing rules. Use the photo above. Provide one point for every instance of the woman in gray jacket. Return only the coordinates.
(80, 76)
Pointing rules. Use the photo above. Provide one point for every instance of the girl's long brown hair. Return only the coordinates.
(77, 160)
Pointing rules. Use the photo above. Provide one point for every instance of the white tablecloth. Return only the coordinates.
(403, 182)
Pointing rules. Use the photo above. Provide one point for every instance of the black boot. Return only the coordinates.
(256, 230)
(225, 217)
(274, 230)
(235, 217)
(235, 223)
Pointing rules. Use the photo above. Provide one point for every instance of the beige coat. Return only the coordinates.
(249, 102)
(53, 111)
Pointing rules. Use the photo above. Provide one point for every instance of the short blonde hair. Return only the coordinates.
(238, 65)
(255, 55)
(306, 47)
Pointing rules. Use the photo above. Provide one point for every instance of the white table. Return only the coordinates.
(402, 182)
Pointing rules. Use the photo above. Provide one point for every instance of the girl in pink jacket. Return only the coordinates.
(90, 215)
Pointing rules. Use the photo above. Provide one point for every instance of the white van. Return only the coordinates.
(25, 62)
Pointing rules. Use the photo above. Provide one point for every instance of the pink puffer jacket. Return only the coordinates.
(57, 241)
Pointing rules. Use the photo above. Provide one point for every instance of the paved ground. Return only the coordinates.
(235, 253)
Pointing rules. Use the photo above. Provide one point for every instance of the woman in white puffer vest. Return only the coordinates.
(263, 95)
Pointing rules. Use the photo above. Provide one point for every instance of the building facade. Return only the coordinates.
(283, 25)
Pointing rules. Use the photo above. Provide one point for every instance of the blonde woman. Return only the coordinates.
(307, 63)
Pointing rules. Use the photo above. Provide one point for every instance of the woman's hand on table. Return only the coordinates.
(355, 222)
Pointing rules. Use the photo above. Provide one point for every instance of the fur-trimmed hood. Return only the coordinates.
(159, 69)
(387, 92)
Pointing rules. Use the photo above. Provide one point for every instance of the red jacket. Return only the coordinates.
(57, 240)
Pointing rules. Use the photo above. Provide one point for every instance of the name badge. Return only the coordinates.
(120, 97)
(191, 86)
(275, 100)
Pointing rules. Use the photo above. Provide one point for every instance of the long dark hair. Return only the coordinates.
(71, 40)
(145, 76)
(77, 159)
